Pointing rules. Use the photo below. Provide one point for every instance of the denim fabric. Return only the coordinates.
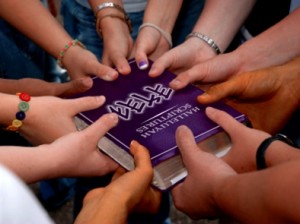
(19, 56)
(80, 23)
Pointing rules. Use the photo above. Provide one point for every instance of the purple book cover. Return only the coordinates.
(150, 112)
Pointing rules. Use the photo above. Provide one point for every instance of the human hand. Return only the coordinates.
(182, 57)
(195, 195)
(80, 62)
(259, 94)
(118, 44)
(126, 192)
(75, 154)
(149, 44)
(51, 117)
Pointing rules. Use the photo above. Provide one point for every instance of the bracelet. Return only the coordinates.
(125, 19)
(109, 5)
(20, 115)
(166, 35)
(62, 52)
(207, 40)
(260, 153)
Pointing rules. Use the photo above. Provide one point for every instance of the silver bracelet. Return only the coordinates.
(207, 40)
(166, 35)
(109, 5)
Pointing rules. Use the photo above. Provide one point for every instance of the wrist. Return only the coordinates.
(275, 149)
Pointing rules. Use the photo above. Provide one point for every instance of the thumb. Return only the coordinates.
(85, 103)
(227, 122)
(219, 91)
(101, 126)
(186, 144)
(75, 86)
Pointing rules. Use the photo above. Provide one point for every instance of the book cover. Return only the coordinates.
(150, 112)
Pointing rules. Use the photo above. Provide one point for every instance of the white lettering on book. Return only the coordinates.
(166, 119)
(138, 103)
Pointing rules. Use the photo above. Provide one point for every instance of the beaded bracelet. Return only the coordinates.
(207, 40)
(260, 153)
(20, 115)
(75, 42)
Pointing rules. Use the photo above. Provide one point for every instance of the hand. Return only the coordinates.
(259, 94)
(182, 57)
(117, 44)
(76, 154)
(113, 203)
(80, 63)
(149, 44)
(50, 117)
(195, 195)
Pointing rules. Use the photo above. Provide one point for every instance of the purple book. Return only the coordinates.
(150, 112)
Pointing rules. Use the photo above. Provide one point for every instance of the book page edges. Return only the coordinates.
(168, 172)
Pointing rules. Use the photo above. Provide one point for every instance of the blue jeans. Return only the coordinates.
(80, 23)
(19, 57)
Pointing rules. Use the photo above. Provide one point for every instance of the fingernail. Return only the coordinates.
(143, 65)
(100, 98)
(111, 75)
(133, 143)
(175, 83)
(113, 116)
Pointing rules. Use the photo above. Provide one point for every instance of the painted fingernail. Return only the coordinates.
(143, 65)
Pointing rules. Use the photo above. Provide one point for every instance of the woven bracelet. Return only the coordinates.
(166, 35)
(207, 40)
(260, 153)
(20, 115)
(66, 48)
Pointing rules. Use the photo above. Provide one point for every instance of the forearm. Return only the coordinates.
(271, 195)
(219, 21)
(35, 21)
(31, 164)
(162, 13)
(281, 41)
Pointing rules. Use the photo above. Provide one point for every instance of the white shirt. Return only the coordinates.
(18, 204)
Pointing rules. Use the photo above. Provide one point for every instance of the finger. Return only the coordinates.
(102, 71)
(141, 155)
(186, 144)
(184, 78)
(119, 172)
(141, 57)
(162, 63)
(85, 103)
(101, 126)
(75, 86)
(221, 91)
(121, 63)
(227, 122)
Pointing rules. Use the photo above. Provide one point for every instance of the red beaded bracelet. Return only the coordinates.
(20, 115)
(66, 48)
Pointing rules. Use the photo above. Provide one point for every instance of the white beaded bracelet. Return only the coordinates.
(207, 40)
(166, 35)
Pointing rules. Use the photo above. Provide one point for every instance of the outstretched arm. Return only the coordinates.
(72, 155)
(258, 196)
(259, 94)
(36, 22)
